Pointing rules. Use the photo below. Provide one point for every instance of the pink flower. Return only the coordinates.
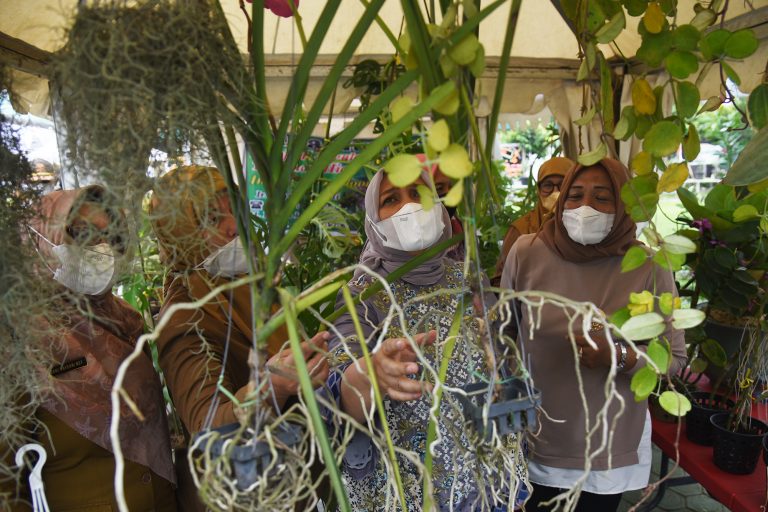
(280, 7)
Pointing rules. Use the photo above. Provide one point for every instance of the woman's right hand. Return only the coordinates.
(394, 361)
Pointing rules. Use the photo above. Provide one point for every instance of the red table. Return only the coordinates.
(740, 493)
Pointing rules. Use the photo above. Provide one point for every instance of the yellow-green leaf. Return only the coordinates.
(654, 18)
(400, 107)
(663, 138)
(741, 44)
(745, 212)
(643, 327)
(713, 103)
(593, 156)
(426, 196)
(703, 19)
(674, 403)
(659, 354)
(463, 52)
(757, 106)
(642, 163)
(678, 244)
(455, 163)
(691, 143)
(439, 136)
(666, 303)
(673, 177)
(634, 258)
(478, 65)
(453, 197)
(402, 170)
(449, 105)
(643, 98)
(687, 98)
(643, 383)
(687, 318)
(612, 29)
(586, 118)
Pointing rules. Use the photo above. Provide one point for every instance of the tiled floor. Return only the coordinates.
(683, 498)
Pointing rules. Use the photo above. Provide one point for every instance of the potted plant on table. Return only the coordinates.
(729, 272)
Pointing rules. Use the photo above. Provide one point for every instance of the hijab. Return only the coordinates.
(622, 234)
(102, 339)
(384, 260)
(532, 221)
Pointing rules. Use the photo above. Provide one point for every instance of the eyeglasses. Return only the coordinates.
(548, 186)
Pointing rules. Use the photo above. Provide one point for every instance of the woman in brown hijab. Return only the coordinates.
(79, 241)
(197, 236)
(548, 185)
(577, 254)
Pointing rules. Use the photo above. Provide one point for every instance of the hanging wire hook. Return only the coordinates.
(39, 501)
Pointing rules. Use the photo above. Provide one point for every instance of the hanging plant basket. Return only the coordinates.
(512, 410)
(737, 452)
(698, 428)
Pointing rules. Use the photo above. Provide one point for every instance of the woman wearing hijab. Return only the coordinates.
(197, 237)
(577, 254)
(79, 241)
(548, 184)
(397, 228)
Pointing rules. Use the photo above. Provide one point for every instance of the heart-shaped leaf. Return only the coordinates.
(439, 135)
(674, 403)
(402, 170)
(455, 163)
(663, 138)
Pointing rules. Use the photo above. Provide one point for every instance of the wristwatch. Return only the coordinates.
(621, 351)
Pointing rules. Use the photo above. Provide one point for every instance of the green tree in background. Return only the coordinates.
(725, 127)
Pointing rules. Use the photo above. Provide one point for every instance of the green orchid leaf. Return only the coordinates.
(750, 166)
(674, 403)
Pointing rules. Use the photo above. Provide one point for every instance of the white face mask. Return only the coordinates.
(88, 270)
(411, 228)
(229, 260)
(587, 226)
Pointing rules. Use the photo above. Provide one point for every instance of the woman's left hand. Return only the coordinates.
(591, 357)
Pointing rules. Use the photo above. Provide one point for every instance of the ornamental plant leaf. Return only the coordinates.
(640, 303)
(643, 98)
(691, 143)
(455, 163)
(673, 177)
(439, 136)
(757, 106)
(400, 107)
(703, 19)
(670, 261)
(635, 7)
(634, 258)
(698, 365)
(426, 196)
(654, 48)
(712, 45)
(666, 303)
(674, 403)
(731, 73)
(626, 125)
(713, 103)
(741, 44)
(654, 18)
(643, 327)
(463, 53)
(620, 317)
(642, 163)
(643, 383)
(477, 67)
(663, 138)
(687, 99)
(681, 64)
(750, 165)
(686, 37)
(714, 352)
(687, 318)
(449, 105)
(593, 156)
(453, 197)
(678, 244)
(659, 354)
(744, 213)
(586, 118)
(640, 197)
(402, 170)
(612, 29)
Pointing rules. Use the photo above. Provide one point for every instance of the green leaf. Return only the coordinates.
(691, 143)
(654, 48)
(686, 37)
(757, 107)
(659, 354)
(687, 318)
(478, 65)
(593, 156)
(669, 261)
(586, 118)
(741, 44)
(583, 71)
(750, 165)
(678, 244)
(666, 303)
(640, 197)
(426, 196)
(455, 163)
(612, 29)
(626, 125)
(400, 107)
(663, 138)
(698, 365)
(463, 53)
(439, 135)
(620, 317)
(635, 7)
(643, 383)
(642, 163)
(687, 99)
(704, 19)
(453, 197)
(681, 64)
(731, 73)
(634, 258)
(674, 403)
(402, 170)
(714, 352)
(745, 212)
(643, 327)
(712, 45)
(643, 98)
(673, 178)
(449, 105)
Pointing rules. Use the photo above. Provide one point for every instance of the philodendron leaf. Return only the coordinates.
(634, 258)
(593, 156)
(757, 106)
(687, 318)
(455, 163)
(643, 383)
(402, 170)
(663, 138)
(439, 136)
(426, 196)
(643, 327)
(643, 98)
(678, 244)
(750, 166)
(453, 197)
(659, 354)
(674, 403)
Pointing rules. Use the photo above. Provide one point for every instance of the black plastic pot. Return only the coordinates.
(250, 458)
(513, 409)
(698, 428)
(737, 452)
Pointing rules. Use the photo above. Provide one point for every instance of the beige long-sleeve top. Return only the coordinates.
(531, 265)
